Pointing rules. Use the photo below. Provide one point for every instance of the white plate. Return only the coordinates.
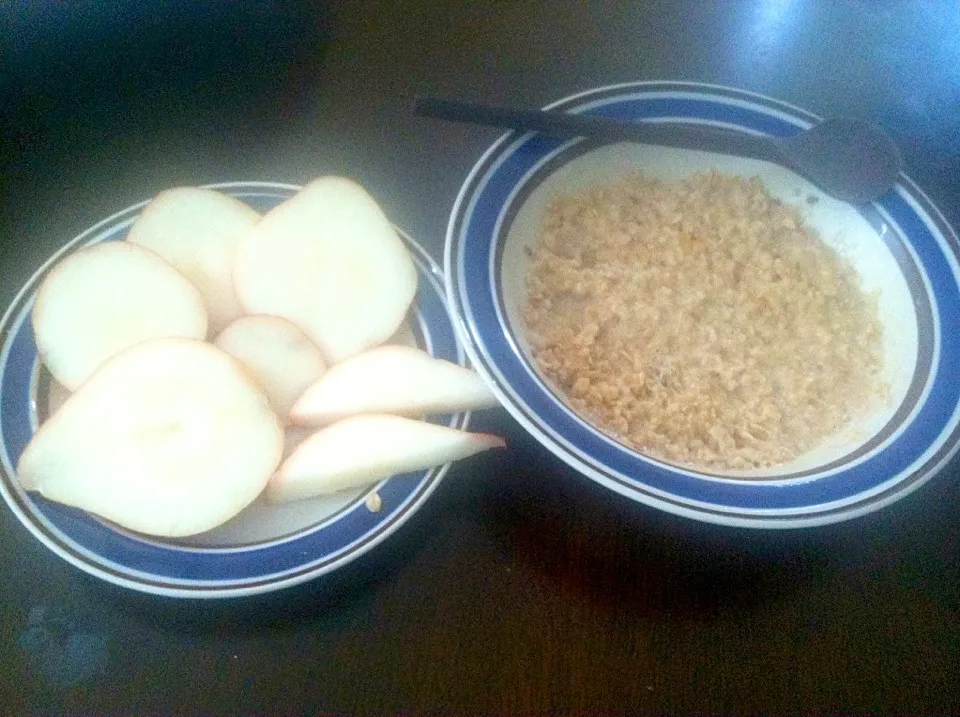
(900, 246)
(264, 548)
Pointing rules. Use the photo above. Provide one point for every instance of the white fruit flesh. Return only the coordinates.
(169, 438)
(198, 231)
(361, 450)
(329, 261)
(107, 298)
(392, 379)
(279, 356)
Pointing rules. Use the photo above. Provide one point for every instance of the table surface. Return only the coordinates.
(520, 586)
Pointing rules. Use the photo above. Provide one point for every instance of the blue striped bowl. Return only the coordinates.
(264, 548)
(900, 246)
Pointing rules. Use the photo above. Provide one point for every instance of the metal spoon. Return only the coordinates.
(852, 160)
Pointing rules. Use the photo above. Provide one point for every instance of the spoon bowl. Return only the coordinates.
(852, 160)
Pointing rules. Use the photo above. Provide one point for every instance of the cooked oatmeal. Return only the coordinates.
(702, 322)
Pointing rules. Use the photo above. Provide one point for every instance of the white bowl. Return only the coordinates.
(266, 547)
(900, 246)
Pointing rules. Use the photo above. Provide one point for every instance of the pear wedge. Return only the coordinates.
(362, 450)
(168, 438)
(106, 298)
(198, 231)
(282, 360)
(391, 379)
(328, 260)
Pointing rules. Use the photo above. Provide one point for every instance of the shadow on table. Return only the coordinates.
(576, 540)
(339, 597)
(599, 546)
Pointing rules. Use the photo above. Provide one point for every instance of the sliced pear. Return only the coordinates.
(198, 231)
(277, 353)
(391, 379)
(329, 261)
(168, 438)
(361, 450)
(106, 298)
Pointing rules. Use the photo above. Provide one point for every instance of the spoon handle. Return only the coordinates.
(566, 125)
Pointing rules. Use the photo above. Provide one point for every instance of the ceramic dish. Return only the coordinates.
(900, 246)
(264, 548)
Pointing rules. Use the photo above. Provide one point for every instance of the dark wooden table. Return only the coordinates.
(520, 587)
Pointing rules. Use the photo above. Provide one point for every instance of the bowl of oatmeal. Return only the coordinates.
(708, 333)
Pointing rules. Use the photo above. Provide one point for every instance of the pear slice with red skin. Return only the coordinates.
(278, 354)
(328, 260)
(198, 231)
(391, 379)
(361, 450)
(106, 298)
(169, 438)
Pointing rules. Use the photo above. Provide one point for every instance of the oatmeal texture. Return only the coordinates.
(702, 322)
